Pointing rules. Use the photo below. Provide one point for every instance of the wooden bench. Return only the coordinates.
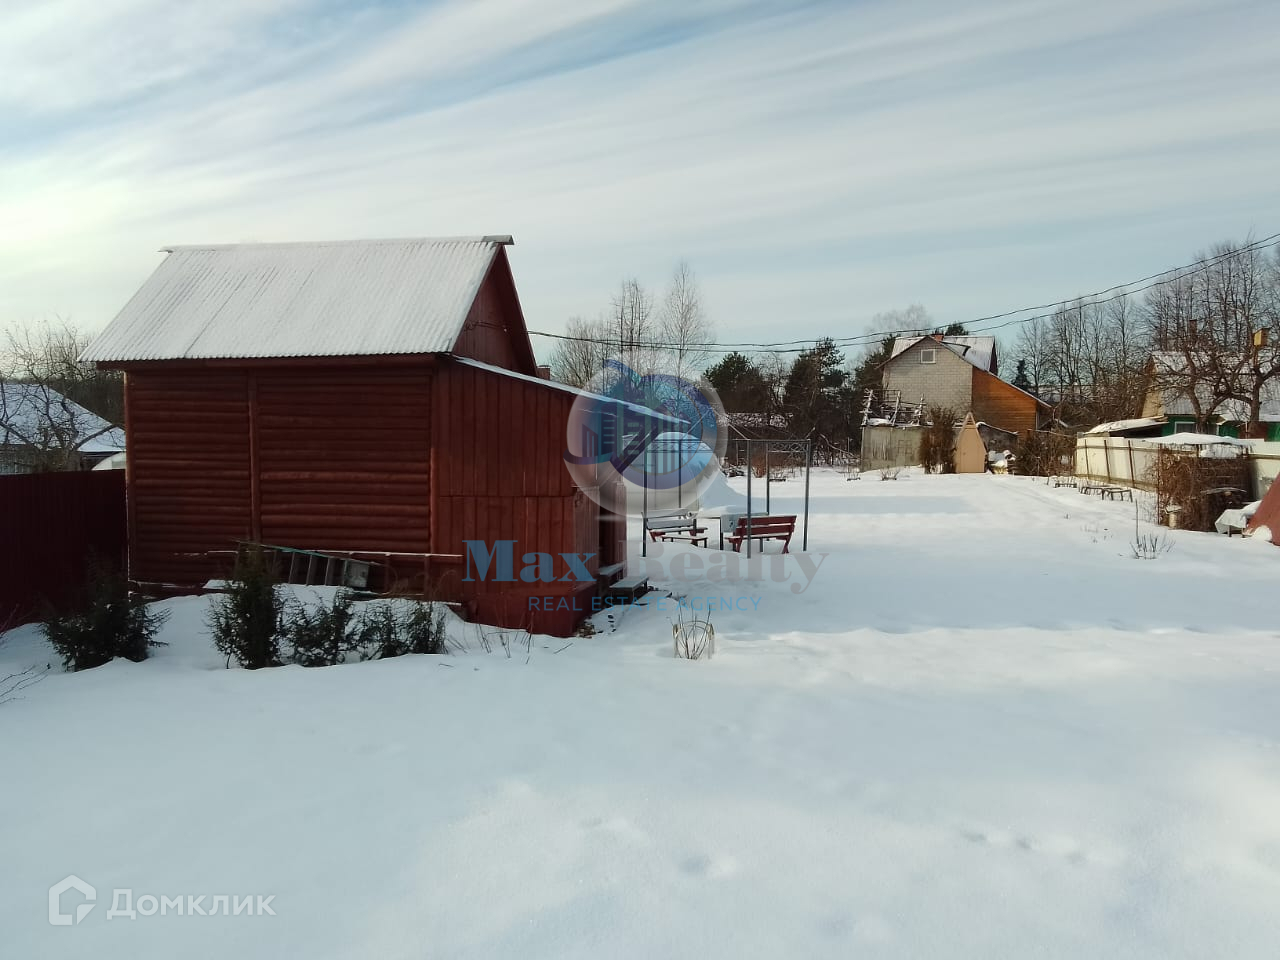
(762, 529)
(683, 527)
(1116, 493)
(1064, 481)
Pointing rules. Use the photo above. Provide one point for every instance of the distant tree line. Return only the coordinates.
(1209, 331)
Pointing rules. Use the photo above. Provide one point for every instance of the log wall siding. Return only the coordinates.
(400, 458)
(321, 459)
(188, 453)
(343, 459)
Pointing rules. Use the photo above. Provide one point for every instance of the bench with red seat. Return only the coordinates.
(781, 527)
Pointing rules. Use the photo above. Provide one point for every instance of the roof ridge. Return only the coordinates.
(501, 239)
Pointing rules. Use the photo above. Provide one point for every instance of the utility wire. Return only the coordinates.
(1009, 317)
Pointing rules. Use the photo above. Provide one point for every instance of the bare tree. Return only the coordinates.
(1033, 348)
(1216, 332)
(45, 391)
(578, 359)
(685, 327)
(1088, 359)
(634, 326)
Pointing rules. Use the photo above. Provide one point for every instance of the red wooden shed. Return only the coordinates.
(374, 398)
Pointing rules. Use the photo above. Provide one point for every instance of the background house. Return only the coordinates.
(374, 398)
(959, 372)
(41, 430)
(1178, 395)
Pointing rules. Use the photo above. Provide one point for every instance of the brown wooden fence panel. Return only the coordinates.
(51, 525)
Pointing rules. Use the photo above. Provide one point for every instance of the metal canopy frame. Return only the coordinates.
(790, 446)
(785, 446)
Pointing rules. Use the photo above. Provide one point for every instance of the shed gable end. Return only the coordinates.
(494, 331)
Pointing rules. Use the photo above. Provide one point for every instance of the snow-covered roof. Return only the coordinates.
(1198, 440)
(1175, 398)
(979, 351)
(36, 415)
(1115, 426)
(349, 298)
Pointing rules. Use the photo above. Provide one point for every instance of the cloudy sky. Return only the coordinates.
(816, 162)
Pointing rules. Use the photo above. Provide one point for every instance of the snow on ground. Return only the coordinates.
(983, 730)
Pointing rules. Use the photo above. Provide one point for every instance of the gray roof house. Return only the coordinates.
(40, 429)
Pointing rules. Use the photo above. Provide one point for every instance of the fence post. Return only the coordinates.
(808, 467)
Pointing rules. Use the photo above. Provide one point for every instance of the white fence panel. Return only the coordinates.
(1131, 463)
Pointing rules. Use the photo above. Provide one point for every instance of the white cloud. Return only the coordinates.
(817, 166)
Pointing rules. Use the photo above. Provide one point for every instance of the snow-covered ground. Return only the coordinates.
(983, 730)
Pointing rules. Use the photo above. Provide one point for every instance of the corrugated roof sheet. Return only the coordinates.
(977, 350)
(348, 298)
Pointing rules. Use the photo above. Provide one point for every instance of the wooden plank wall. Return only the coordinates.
(1001, 404)
(494, 331)
(499, 472)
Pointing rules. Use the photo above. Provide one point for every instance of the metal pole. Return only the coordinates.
(644, 506)
(767, 446)
(749, 472)
(808, 466)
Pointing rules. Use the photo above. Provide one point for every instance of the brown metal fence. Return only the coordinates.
(51, 526)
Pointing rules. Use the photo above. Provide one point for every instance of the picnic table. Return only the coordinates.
(679, 527)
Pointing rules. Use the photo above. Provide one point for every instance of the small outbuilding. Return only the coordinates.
(375, 399)
(971, 452)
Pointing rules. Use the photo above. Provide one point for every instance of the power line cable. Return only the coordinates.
(1010, 317)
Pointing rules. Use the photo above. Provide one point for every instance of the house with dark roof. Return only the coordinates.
(960, 372)
(376, 400)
